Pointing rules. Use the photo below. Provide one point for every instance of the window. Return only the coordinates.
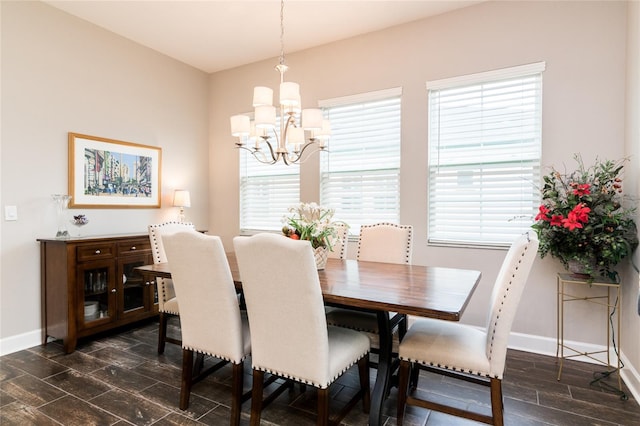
(360, 175)
(266, 191)
(484, 155)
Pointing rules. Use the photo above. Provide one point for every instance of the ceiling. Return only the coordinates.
(214, 35)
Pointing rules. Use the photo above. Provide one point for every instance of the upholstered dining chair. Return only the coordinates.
(339, 244)
(167, 303)
(294, 341)
(466, 352)
(385, 242)
(380, 242)
(210, 318)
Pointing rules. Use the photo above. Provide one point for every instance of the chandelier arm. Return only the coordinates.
(264, 160)
(255, 152)
(284, 130)
(307, 145)
(274, 154)
(298, 158)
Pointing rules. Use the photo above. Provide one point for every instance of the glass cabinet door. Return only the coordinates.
(97, 292)
(134, 296)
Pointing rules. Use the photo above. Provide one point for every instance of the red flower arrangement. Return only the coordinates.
(582, 218)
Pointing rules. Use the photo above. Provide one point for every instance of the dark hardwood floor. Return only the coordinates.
(119, 379)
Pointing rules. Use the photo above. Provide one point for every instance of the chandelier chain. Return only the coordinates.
(281, 32)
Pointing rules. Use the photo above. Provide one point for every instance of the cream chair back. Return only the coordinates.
(385, 242)
(505, 298)
(164, 285)
(339, 244)
(209, 313)
(285, 307)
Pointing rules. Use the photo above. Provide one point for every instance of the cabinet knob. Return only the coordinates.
(98, 252)
(113, 290)
(133, 248)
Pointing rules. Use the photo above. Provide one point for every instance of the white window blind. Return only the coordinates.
(360, 175)
(266, 191)
(484, 155)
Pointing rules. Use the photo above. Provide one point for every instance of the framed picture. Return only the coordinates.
(106, 173)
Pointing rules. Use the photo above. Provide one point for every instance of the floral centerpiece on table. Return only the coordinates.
(309, 221)
(582, 218)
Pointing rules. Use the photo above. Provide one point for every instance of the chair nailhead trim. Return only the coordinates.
(409, 228)
(224, 358)
(451, 368)
(307, 382)
(155, 236)
(504, 296)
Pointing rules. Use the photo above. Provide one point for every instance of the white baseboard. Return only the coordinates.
(631, 378)
(20, 342)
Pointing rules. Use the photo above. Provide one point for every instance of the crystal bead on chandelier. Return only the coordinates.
(290, 144)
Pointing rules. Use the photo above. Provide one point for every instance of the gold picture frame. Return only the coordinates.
(108, 173)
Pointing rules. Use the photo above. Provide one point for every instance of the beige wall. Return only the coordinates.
(61, 74)
(584, 46)
(631, 317)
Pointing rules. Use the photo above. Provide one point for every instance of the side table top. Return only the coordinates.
(597, 280)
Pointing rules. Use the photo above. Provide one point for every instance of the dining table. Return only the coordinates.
(380, 288)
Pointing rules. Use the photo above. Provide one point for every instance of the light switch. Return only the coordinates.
(10, 212)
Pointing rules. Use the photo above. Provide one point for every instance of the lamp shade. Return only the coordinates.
(325, 132)
(296, 135)
(312, 119)
(262, 96)
(289, 94)
(265, 116)
(240, 125)
(181, 198)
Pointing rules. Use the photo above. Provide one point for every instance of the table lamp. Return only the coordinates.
(181, 199)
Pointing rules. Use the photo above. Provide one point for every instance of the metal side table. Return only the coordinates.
(612, 300)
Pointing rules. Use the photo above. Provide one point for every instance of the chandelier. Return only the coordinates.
(290, 143)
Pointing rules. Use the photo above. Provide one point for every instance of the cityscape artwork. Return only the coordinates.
(106, 173)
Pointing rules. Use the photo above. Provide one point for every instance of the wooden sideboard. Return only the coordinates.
(90, 285)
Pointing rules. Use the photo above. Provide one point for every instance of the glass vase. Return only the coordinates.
(62, 202)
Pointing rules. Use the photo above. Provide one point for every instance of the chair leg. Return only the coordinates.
(363, 370)
(413, 379)
(323, 407)
(199, 364)
(497, 408)
(236, 393)
(162, 331)
(256, 397)
(403, 385)
(187, 375)
(402, 327)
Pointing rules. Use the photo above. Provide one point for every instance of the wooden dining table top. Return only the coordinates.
(428, 291)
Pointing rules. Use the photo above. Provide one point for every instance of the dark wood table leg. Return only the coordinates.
(384, 369)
